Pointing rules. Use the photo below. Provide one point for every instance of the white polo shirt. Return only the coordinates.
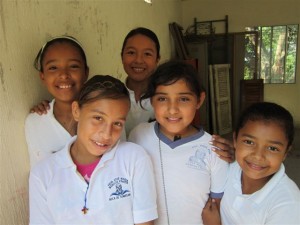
(190, 170)
(278, 202)
(44, 135)
(137, 114)
(121, 189)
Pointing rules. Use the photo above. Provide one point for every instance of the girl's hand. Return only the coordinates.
(41, 108)
(210, 213)
(223, 147)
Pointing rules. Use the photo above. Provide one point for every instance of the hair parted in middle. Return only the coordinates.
(146, 32)
(169, 73)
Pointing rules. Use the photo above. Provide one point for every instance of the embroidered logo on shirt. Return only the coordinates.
(117, 186)
(196, 161)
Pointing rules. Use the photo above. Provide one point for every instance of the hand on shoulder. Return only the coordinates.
(41, 108)
(223, 147)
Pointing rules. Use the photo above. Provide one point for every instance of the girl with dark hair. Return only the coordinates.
(95, 178)
(63, 69)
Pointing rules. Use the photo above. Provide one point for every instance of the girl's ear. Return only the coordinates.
(234, 139)
(286, 152)
(157, 59)
(42, 76)
(201, 99)
(75, 111)
(87, 73)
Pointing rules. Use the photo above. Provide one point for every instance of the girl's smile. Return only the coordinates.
(261, 148)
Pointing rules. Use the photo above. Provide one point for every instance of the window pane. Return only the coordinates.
(278, 54)
(250, 53)
(290, 65)
(265, 53)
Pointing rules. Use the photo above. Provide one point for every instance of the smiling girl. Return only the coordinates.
(258, 190)
(95, 178)
(63, 69)
(187, 171)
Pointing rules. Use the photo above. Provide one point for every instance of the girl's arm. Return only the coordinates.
(211, 213)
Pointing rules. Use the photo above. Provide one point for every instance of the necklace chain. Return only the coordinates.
(163, 179)
(85, 209)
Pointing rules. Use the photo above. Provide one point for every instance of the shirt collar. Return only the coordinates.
(64, 158)
(261, 194)
(173, 144)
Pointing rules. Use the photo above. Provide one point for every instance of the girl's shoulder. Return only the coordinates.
(144, 126)
(129, 147)
(142, 129)
(34, 119)
(130, 152)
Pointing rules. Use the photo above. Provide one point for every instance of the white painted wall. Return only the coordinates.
(253, 13)
(100, 25)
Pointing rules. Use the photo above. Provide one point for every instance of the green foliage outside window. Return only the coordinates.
(277, 53)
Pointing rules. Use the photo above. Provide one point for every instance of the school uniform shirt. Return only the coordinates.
(45, 135)
(137, 114)
(186, 173)
(121, 189)
(278, 202)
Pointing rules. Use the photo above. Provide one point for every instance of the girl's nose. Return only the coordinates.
(173, 107)
(64, 73)
(259, 152)
(139, 58)
(106, 132)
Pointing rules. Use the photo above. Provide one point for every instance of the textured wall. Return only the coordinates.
(253, 13)
(24, 26)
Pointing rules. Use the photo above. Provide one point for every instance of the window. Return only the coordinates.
(276, 48)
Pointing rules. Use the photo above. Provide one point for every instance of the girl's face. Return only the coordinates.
(139, 58)
(100, 124)
(261, 147)
(64, 71)
(175, 106)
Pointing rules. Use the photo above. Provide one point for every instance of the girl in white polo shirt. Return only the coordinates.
(95, 178)
(258, 191)
(187, 171)
(63, 69)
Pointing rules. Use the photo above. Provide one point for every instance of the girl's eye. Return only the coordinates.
(98, 118)
(75, 66)
(119, 124)
(148, 53)
(248, 142)
(273, 149)
(52, 68)
(184, 99)
(161, 99)
(130, 52)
